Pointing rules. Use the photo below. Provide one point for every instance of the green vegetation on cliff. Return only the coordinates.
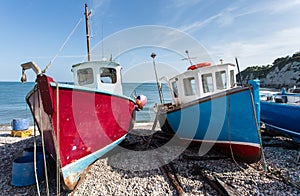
(284, 72)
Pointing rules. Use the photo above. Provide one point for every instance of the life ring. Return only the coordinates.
(199, 65)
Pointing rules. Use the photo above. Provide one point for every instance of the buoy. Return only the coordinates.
(30, 151)
(141, 101)
(199, 65)
(20, 124)
(23, 170)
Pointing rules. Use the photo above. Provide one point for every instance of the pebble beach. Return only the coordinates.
(128, 170)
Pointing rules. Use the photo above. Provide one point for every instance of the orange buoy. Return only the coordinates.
(199, 65)
(141, 101)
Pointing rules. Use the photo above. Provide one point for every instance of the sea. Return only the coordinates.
(13, 104)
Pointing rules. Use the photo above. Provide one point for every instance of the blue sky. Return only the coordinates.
(257, 32)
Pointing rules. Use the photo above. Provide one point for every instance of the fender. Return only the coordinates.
(46, 93)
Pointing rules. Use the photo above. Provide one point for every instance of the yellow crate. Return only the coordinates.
(22, 134)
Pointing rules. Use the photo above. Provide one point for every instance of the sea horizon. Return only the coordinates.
(13, 104)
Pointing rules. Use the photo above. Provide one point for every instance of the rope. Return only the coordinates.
(63, 45)
(58, 149)
(34, 151)
(43, 146)
(230, 145)
(279, 174)
(229, 135)
(258, 131)
(268, 171)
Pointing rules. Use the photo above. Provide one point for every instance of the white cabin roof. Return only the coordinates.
(99, 75)
(205, 81)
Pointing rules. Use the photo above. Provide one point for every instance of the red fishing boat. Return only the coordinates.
(81, 122)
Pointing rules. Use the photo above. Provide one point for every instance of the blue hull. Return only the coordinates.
(227, 120)
(281, 117)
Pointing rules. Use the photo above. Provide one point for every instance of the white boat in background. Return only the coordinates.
(294, 90)
(267, 94)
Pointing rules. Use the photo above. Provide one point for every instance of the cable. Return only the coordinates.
(63, 45)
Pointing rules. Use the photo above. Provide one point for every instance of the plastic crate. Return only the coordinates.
(22, 134)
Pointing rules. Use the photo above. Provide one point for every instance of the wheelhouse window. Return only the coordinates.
(221, 80)
(207, 83)
(108, 75)
(189, 86)
(85, 76)
(232, 78)
(175, 89)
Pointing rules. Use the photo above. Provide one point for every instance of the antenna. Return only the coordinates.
(188, 57)
(102, 41)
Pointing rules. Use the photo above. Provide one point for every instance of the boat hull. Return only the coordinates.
(282, 118)
(78, 124)
(225, 120)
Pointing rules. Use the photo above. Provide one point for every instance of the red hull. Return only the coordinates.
(248, 153)
(86, 121)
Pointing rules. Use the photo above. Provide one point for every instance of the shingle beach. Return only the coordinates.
(130, 171)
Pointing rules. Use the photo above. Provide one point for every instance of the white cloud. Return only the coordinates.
(284, 6)
(100, 3)
(224, 18)
(228, 15)
(198, 24)
(254, 43)
(178, 9)
(270, 7)
(260, 50)
(100, 7)
(184, 4)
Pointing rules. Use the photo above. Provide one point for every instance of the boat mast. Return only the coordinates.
(87, 14)
(240, 76)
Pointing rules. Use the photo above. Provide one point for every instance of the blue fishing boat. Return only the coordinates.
(281, 114)
(208, 107)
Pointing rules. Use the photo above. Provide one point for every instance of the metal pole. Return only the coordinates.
(153, 55)
(188, 56)
(240, 76)
(87, 14)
